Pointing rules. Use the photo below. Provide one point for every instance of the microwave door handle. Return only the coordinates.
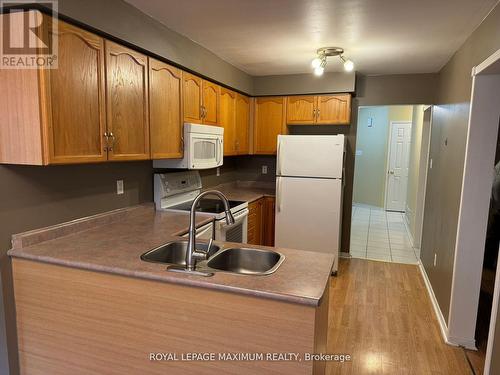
(219, 150)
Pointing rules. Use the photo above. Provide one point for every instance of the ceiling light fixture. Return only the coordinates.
(319, 63)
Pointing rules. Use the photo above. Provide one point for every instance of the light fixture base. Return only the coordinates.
(330, 51)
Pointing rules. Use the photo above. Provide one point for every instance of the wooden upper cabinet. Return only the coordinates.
(269, 122)
(301, 109)
(165, 110)
(75, 93)
(210, 103)
(242, 124)
(127, 103)
(319, 109)
(228, 120)
(334, 109)
(192, 87)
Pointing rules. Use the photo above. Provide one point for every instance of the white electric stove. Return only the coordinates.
(176, 191)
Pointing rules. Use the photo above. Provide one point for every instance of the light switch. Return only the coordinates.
(370, 122)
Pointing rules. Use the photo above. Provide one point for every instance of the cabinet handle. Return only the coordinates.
(106, 140)
(314, 113)
(317, 113)
(112, 136)
(203, 112)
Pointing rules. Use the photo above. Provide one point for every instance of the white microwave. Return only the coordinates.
(203, 148)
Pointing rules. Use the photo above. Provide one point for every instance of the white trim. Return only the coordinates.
(387, 161)
(344, 254)
(483, 67)
(474, 205)
(435, 305)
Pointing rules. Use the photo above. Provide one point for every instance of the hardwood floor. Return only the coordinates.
(381, 315)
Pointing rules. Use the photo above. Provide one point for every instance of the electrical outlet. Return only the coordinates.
(435, 259)
(119, 187)
(430, 164)
(218, 171)
(264, 169)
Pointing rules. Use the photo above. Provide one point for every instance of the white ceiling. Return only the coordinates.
(266, 37)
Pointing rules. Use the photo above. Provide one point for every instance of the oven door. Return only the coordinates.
(205, 151)
(236, 232)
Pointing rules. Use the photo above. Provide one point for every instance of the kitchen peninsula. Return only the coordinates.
(86, 302)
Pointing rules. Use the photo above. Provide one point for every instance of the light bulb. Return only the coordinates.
(316, 63)
(319, 71)
(348, 66)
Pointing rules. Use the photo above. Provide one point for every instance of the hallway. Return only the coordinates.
(380, 235)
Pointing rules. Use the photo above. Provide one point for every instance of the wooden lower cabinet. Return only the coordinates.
(255, 210)
(268, 221)
(261, 222)
(79, 322)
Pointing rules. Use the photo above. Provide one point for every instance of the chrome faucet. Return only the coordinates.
(192, 255)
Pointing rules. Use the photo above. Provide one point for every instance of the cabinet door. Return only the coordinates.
(242, 124)
(127, 103)
(268, 221)
(211, 103)
(334, 109)
(192, 97)
(255, 222)
(228, 120)
(269, 122)
(301, 109)
(165, 106)
(75, 93)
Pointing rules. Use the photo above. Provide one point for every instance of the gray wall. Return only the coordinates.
(35, 197)
(396, 89)
(449, 133)
(123, 21)
(304, 84)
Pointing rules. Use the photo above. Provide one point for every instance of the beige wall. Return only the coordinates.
(413, 170)
(449, 134)
(372, 148)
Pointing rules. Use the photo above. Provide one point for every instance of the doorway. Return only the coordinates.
(391, 144)
(475, 203)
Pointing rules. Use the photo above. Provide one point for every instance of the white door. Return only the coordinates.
(397, 174)
(310, 155)
(308, 214)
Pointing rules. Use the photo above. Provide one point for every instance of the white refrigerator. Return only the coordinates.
(309, 189)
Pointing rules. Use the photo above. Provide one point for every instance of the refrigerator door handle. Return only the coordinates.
(279, 157)
(278, 194)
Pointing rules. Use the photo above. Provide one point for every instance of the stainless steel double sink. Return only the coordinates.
(238, 260)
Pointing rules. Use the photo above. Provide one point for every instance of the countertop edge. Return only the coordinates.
(307, 301)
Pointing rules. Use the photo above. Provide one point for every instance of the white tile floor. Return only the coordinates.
(380, 235)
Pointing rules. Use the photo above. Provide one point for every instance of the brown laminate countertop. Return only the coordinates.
(246, 190)
(115, 246)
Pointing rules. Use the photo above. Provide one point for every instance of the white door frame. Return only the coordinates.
(387, 161)
(422, 177)
(475, 200)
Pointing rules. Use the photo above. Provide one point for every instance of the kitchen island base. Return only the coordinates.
(76, 321)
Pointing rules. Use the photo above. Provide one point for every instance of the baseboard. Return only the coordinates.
(408, 231)
(344, 254)
(435, 305)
